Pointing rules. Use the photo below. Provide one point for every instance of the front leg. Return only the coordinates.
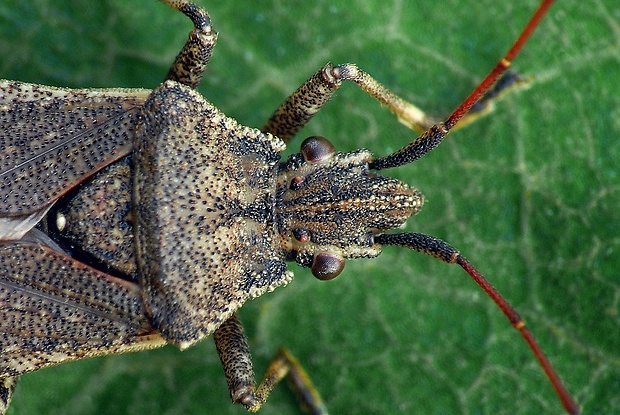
(309, 98)
(232, 346)
(190, 64)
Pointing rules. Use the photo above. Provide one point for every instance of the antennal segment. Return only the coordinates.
(439, 249)
(435, 135)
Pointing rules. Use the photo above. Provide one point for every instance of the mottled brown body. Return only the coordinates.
(65, 299)
(167, 216)
(47, 167)
(98, 220)
(216, 219)
(191, 212)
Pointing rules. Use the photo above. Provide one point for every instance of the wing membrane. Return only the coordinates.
(53, 138)
(54, 309)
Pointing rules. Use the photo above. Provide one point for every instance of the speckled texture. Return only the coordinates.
(53, 137)
(204, 199)
(340, 204)
(211, 213)
(7, 387)
(97, 221)
(190, 64)
(55, 309)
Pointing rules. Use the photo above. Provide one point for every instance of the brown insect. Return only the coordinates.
(200, 219)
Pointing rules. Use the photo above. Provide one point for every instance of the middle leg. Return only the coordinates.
(232, 346)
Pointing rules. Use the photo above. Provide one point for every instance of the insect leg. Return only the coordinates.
(7, 386)
(309, 98)
(435, 134)
(232, 346)
(509, 82)
(190, 64)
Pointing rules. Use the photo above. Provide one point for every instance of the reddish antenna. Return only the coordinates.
(439, 249)
(501, 67)
(435, 135)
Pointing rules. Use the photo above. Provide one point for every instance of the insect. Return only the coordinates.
(169, 112)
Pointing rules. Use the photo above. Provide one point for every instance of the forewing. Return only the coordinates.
(54, 309)
(52, 139)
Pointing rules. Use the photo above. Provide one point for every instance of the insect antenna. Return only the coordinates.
(435, 135)
(439, 249)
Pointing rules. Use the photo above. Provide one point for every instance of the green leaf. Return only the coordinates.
(529, 194)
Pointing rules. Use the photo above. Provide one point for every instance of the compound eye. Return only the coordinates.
(316, 148)
(327, 266)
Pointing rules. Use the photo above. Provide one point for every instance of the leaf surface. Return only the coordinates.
(529, 194)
